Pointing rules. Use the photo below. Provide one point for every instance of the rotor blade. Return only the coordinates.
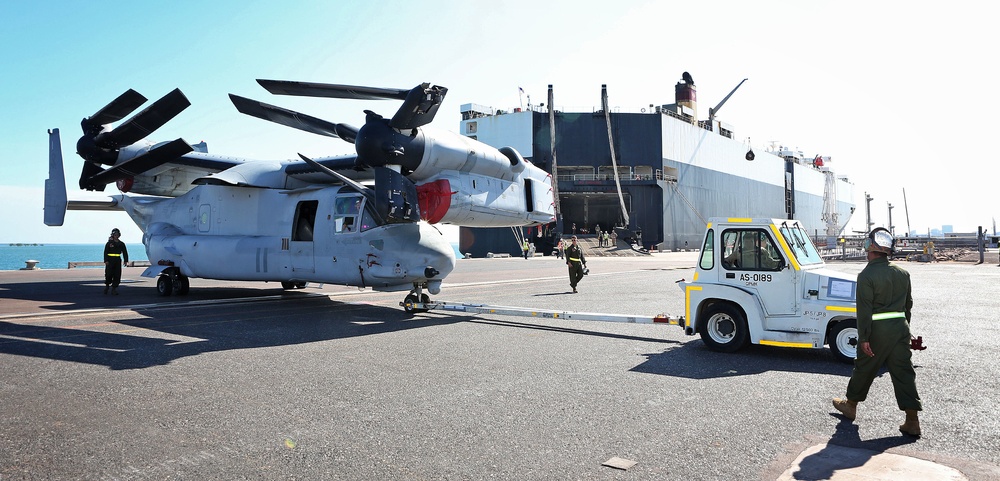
(293, 119)
(337, 163)
(367, 191)
(118, 108)
(145, 122)
(396, 198)
(139, 164)
(420, 106)
(311, 89)
(89, 170)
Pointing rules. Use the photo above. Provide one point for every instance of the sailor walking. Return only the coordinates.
(115, 255)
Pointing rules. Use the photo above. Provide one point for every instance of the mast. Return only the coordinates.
(907, 210)
(555, 176)
(611, 144)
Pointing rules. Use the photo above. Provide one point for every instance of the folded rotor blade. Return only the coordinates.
(145, 122)
(139, 164)
(396, 197)
(420, 106)
(358, 186)
(117, 109)
(337, 163)
(311, 89)
(293, 119)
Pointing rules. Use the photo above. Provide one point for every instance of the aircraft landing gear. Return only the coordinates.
(171, 281)
(415, 296)
(288, 285)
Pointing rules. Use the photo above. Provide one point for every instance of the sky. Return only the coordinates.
(901, 96)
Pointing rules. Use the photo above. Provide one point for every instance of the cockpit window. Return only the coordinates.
(352, 213)
(345, 213)
(348, 205)
(367, 219)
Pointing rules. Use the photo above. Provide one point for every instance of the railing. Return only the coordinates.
(841, 253)
(611, 177)
(74, 265)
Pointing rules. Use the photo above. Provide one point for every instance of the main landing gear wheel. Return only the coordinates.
(164, 285)
(843, 340)
(288, 285)
(181, 285)
(724, 328)
(168, 283)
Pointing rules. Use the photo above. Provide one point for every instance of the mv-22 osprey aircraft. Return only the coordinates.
(365, 220)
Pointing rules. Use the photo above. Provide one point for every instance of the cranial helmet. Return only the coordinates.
(880, 240)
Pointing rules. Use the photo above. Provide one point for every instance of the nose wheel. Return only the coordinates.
(416, 296)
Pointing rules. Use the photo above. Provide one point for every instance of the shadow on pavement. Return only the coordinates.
(159, 335)
(693, 360)
(818, 466)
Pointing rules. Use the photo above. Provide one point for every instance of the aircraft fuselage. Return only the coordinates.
(327, 234)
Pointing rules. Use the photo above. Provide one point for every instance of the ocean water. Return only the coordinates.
(58, 256)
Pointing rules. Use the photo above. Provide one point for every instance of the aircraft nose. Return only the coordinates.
(437, 252)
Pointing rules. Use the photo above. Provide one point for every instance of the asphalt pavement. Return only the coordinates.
(242, 380)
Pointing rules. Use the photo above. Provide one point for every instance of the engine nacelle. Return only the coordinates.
(474, 200)
(444, 151)
(466, 182)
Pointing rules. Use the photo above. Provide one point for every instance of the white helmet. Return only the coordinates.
(880, 240)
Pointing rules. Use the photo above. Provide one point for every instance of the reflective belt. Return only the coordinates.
(887, 315)
(574, 259)
(114, 255)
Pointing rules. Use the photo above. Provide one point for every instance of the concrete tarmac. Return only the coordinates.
(242, 380)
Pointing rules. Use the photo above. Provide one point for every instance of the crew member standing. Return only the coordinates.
(576, 263)
(884, 303)
(115, 255)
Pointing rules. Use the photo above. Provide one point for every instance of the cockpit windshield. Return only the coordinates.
(800, 244)
(352, 213)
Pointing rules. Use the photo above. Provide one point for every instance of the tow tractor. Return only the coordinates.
(762, 281)
(758, 281)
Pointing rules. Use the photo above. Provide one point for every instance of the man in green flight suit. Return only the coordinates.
(576, 263)
(115, 255)
(884, 303)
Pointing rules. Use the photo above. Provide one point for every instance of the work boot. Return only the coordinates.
(912, 425)
(848, 408)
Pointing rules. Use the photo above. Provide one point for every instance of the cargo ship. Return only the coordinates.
(668, 172)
